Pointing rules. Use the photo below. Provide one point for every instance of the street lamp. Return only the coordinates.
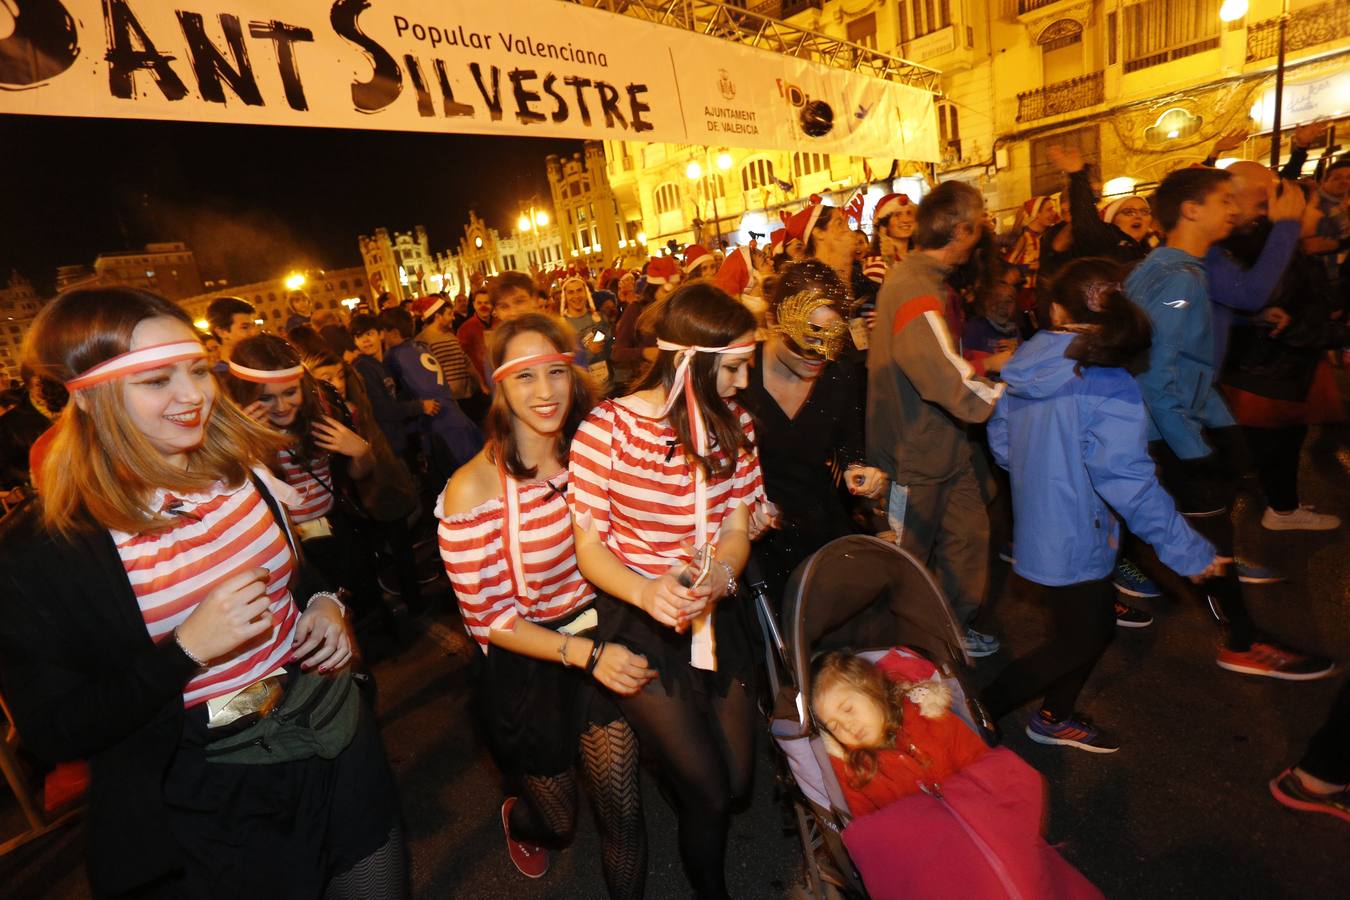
(295, 281)
(1231, 11)
(694, 172)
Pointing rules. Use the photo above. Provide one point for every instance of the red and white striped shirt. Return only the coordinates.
(475, 559)
(318, 499)
(631, 480)
(216, 534)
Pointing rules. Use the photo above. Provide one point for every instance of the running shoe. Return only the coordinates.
(1251, 573)
(1273, 661)
(1287, 789)
(1302, 519)
(978, 644)
(1129, 617)
(1134, 583)
(1071, 732)
(530, 859)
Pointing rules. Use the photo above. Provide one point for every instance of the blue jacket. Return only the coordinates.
(1171, 288)
(1074, 447)
(417, 372)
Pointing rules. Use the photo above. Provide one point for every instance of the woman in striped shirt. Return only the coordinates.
(663, 484)
(324, 459)
(506, 539)
(152, 608)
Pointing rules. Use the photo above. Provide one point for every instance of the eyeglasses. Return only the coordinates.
(1133, 211)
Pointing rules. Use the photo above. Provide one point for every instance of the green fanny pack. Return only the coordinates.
(317, 717)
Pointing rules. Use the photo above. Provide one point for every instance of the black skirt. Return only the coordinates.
(668, 651)
(535, 710)
(279, 830)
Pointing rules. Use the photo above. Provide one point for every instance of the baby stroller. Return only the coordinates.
(869, 596)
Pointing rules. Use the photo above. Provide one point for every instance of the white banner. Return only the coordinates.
(520, 67)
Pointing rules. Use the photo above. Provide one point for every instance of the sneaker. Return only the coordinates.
(1006, 554)
(1129, 617)
(1134, 583)
(1301, 519)
(1251, 573)
(1070, 732)
(530, 859)
(1274, 661)
(1287, 788)
(978, 644)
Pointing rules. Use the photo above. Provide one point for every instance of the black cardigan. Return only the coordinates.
(84, 681)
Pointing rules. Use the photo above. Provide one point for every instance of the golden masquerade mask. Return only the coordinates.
(792, 319)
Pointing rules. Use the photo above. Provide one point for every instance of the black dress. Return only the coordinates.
(800, 457)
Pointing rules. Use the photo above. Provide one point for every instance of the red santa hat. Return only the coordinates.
(734, 276)
(800, 223)
(1111, 207)
(426, 307)
(663, 270)
(776, 242)
(1032, 208)
(889, 205)
(694, 255)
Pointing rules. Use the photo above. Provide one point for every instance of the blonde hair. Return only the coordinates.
(100, 471)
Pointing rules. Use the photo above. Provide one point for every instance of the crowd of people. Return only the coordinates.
(223, 519)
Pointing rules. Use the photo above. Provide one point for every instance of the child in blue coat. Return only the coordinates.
(1072, 432)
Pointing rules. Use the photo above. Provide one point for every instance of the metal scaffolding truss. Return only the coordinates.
(753, 29)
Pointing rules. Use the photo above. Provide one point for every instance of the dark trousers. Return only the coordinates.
(1328, 756)
(1276, 452)
(1082, 625)
(1204, 490)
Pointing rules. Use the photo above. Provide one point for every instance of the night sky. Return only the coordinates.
(251, 201)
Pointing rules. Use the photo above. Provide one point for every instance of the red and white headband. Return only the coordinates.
(133, 361)
(511, 366)
(265, 376)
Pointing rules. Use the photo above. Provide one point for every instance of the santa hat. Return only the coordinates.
(1032, 208)
(889, 205)
(694, 255)
(776, 242)
(663, 270)
(800, 223)
(1111, 207)
(426, 307)
(734, 276)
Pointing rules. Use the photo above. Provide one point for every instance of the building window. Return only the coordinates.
(667, 198)
(1159, 31)
(712, 186)
(356, 282)
(756, 173)
(1061, 51)
(809, 163)
(949, 130)
(864, 31)
(1045, 177)
(1112, 39)
(920, 17)
(342, 285)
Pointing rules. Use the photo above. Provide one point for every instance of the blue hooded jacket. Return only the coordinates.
(1171, 288)
(1075, 449)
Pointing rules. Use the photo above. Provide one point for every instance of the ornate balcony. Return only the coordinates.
(1307, 27)
(1026, 6)
(1062, 97)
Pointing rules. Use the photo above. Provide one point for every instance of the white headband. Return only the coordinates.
(134, 361)
(265, 376)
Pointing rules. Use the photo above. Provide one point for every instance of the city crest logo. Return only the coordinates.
(725, 85)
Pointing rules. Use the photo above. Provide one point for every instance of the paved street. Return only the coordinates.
(1182, 811)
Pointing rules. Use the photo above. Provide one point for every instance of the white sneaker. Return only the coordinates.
(1301, 519)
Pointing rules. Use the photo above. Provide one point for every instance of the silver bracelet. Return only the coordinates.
(562, 650)
(731, 577)
(342, 607)
(186, 652)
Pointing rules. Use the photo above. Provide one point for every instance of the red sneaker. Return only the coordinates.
(530, 859)
(1274, 661)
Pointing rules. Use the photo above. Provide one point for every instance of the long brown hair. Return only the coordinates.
(701, 314)
(862, 676)
(501, 437)
(100, 470)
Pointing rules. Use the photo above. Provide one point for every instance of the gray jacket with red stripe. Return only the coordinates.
(920, 393)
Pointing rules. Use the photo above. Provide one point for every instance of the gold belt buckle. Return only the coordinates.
(256, 701)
